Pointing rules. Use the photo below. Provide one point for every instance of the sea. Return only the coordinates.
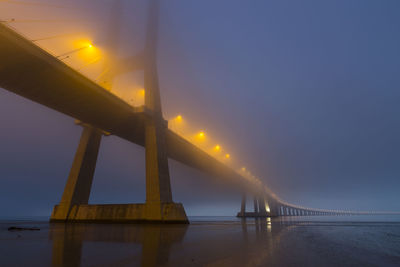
(365, 240)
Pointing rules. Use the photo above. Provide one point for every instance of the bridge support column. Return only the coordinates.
(261, 207)
(272, 208)
(242, 212)
(158, 186)
(79, 183)
(159, 205)
(243, 206)
(255, 206)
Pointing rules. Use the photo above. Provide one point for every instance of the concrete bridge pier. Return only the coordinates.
(274, 209)
(259, 207)
(79, 183)
(262, 212)
(255, 205)
(242, 212)
(243, 205)
(159, 205)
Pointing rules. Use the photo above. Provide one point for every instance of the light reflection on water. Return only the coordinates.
(211, 241)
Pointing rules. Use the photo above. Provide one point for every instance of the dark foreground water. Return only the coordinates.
(207, 241)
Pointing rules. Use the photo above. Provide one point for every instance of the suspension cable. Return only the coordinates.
(89, 63)
(51, 37)
(72, 51)
(102, 74)
(63, 58)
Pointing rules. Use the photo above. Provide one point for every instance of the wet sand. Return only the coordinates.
(213, 241)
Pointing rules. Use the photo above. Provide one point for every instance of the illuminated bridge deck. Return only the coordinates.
(31, 72)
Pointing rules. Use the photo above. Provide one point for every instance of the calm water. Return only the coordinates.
(207, 241)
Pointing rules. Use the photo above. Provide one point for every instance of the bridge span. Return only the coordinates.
(29, 71)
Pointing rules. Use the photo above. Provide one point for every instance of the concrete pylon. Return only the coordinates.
(261, 206)
(158, 185)
(274, 209)
(255, 206)
(243, 205)
(242, 212)
(159, 205)
(79, 183)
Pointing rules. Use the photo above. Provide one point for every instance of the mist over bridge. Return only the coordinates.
(35, 74)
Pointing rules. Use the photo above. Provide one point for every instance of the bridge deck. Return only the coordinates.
(31, 72)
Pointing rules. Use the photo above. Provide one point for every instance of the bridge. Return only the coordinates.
(30, 71)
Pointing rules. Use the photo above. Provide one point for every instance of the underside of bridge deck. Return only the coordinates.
(29, 71)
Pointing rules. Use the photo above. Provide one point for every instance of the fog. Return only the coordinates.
(304, 94)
